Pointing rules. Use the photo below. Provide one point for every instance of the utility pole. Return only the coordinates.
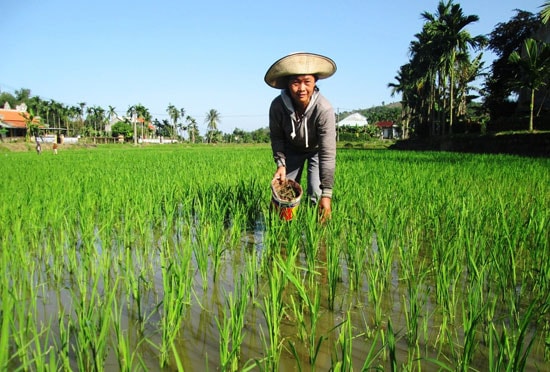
(134, 119)
(337, 126)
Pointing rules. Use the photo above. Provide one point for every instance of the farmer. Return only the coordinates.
(38, 147)
(302, 125)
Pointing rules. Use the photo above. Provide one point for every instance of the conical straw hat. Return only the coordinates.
(299, 64)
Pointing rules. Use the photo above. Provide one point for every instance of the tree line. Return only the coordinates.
(436, 84)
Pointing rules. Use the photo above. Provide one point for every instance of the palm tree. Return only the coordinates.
(49, 109)
(212, 118)
(181, 127)
(73, 112)
(81, 105)
(32, 122)
(191, 128)
(100, 118)
(23, 95)
(64, 115)
(452, 40)
(466, 74)
(174, 114)
(143, 116)
(421, 81)
(34, 103)
(545, 12)
(111, 112)
(164, 128)
(90, 119)
(132, 113)
(406, 86)
(535, 70)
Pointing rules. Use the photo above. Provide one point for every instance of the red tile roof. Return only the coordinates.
(15, 118)
(384, 124)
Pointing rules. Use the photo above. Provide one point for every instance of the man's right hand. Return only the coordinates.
(280, 174)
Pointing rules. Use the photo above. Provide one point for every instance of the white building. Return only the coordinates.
(353, 120)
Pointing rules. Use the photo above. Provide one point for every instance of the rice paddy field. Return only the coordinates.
(169, 258)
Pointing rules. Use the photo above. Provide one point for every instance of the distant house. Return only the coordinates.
(354, 120)
(13, 120)
(389, 129)
(113, 119)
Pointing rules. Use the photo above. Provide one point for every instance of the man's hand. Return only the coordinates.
(280, 174)
(325, 209)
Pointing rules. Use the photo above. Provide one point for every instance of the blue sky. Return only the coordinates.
(213, 54)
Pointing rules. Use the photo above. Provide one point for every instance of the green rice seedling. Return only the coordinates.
(334, 268)
(231, 327)
(290, 263)
(355, 251)
(122, 347)
(270, 242)
(44, 356)
(447, 276)
(414, 274)
(273, 311)
(537, 230)
(92, 324)
(179, 364)
(5, 334)
(133, 283)
(252, 277)
(200, 252)
(391, 344)
(515, 343)
(24, 327)
(412, 312)
(293, 241)
(373, 354)
(383, 240)
(176, 295)
(224, 330)
(281, 239)
(217, 246)
(312, 305)
(472, 315)
(213, 221)
(426, 328)
(313, 233)
(342, 358)
(376, 290)
(237, 225)
(238, 307)
(299, 317)
(64, 343)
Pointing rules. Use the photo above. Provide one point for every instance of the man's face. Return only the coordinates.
(301, 89)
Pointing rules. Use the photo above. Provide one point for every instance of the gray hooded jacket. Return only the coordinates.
(315, 132)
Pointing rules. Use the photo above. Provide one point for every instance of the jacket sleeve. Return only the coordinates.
(327, 150)
(276, 133)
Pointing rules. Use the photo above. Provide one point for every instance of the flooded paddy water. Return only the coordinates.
(171, 270)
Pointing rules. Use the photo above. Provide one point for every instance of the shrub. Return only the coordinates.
(122, 128)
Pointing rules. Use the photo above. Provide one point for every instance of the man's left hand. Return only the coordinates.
(325, 209)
